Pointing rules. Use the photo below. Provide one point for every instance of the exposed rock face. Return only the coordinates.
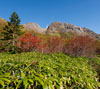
(64, 27)
(58, 27)
(91, 33)
(34, 27)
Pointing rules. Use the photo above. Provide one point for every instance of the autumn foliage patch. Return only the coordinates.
(28, 42)
(53, 45)
(81, 46)
(75, 46)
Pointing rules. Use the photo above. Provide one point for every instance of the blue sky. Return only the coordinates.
(83, 13)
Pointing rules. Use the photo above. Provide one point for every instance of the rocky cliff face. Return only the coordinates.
(63, 27)
(58, 27)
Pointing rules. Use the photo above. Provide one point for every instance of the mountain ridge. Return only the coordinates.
(56, 27)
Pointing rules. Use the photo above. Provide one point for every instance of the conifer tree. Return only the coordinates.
(11, 32)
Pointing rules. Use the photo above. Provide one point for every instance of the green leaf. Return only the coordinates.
(2, 83)
(25, 82)
(4, 79)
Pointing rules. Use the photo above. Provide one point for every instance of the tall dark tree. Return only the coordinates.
(12, 31)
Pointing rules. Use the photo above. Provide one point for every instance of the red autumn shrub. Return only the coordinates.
(53, 45)
(81, 46)
(28, 42)
(97, 43)
(76, 46)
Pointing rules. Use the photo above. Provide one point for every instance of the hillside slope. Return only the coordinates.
(58, 27)
(2, 23)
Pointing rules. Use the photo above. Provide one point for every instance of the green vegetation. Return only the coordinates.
(46, 65)
(48, 71)
(2, 24)
(11, 32)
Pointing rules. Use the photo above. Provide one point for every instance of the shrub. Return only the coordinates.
(53, 45)
(97, 44)
(28, 42)
(81, 46)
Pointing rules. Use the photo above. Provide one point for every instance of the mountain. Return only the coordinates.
(34, 27)
(55, 28)
(58, 27)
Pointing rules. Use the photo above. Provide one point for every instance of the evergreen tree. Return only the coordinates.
(11, 32)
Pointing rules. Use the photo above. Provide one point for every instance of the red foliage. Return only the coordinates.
(29, 42)
(97, 44)
(81, 46)
(76, 46)
(52, 45)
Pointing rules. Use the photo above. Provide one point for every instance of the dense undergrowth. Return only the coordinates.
(49, 71)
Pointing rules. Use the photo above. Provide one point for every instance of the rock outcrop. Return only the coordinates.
(58, 27)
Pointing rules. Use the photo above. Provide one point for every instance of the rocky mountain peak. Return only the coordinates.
(34, 27)
(57, 27)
